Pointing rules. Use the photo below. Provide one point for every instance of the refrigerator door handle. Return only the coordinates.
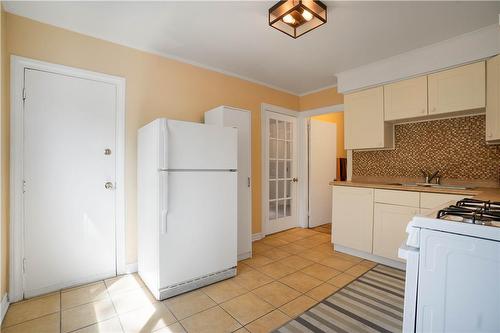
(164, 145)
(164, 202)
(164, 220)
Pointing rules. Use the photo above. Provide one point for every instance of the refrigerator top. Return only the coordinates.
(194, 146)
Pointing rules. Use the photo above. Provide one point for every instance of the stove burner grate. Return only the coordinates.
(473, 211)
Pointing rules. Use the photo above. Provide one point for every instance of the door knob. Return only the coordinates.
(295, 180)
(108, 185)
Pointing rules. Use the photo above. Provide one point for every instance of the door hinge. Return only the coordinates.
(24, 265)
(24, 94)
(24, 186)
(248, 181)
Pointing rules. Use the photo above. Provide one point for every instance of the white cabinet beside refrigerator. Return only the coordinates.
(240, 119)
(187, 205)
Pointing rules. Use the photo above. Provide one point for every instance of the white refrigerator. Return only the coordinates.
(187, 205)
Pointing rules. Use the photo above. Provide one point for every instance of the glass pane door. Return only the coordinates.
(281, 172)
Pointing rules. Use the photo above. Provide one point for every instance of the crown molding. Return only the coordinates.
(459, 50)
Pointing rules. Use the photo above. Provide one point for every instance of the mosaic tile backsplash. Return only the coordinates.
(455, 146)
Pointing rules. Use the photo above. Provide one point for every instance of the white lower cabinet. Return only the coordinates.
(352, 217)
(389, 228)
(374, 221)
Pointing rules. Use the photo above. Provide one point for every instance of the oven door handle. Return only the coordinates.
(404, 251)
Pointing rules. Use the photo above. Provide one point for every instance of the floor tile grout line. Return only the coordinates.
(114, 306)
(60, 312)
(29, 320)
(275, 247)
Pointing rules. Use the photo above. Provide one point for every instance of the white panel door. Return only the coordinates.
(322, 170)
(458, 289)
(69, 217)
(281, 168)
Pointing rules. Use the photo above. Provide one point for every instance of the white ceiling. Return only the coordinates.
(234, 37)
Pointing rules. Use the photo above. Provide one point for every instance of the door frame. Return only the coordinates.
(303, 125)
(18, 66)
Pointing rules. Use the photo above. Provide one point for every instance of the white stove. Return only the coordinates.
(446, 253)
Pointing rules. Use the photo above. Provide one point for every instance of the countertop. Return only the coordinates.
(481, 193)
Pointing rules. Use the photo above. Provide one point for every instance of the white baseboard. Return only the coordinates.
(372, 257)
(243, 256)
(257, 236)
(4, 306)
(131, 268)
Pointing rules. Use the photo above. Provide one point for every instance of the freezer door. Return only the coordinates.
(198, 232)
(194, 146)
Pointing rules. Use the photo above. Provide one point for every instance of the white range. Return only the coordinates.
(453, 269)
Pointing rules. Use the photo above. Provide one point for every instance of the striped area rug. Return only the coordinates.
(371, 303)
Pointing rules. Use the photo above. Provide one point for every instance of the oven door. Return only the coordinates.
(458, 289)
(411, 255)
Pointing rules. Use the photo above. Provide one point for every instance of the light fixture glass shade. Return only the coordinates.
(296, 17)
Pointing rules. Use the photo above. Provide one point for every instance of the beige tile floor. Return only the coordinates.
(289, 272)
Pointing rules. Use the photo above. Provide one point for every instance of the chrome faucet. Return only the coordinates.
(429, 177)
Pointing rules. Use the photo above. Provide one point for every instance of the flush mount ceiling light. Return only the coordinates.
(296, 17)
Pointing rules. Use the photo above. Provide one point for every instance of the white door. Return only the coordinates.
(69, 215)
(281, 166)
(322, 170)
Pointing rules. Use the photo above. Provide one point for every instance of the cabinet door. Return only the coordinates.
(406, 99)
(364, 119)
(240, 119)
(389, 228)
(493, 99)
(458, 89)
(352, 217)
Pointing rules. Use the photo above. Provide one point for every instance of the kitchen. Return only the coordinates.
(240, 187)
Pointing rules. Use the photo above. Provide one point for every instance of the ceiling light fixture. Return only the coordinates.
(296, 17)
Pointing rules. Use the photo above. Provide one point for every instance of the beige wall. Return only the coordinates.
(319, 99)
(156, 87)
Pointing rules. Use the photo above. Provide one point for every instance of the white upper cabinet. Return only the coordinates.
(364, 120)
(458, 89)
(406, 99)
(493, 100)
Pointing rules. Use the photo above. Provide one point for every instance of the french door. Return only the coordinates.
(281, 169)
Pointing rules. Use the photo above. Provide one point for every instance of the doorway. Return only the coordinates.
(67, 215)
(326, 162)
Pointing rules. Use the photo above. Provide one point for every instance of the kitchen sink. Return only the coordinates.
(453, 187)
(448, 187)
